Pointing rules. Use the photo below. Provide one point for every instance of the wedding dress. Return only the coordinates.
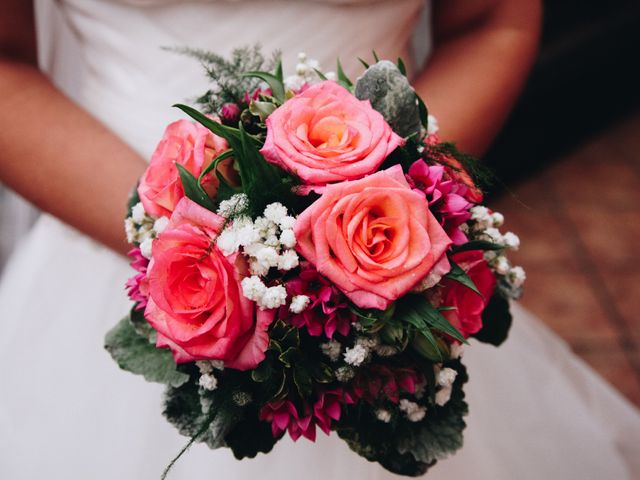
(68, 412)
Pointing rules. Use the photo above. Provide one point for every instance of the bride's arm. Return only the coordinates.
(51, 151)
(484, 50)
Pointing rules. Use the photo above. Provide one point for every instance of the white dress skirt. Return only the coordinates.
(68, 412)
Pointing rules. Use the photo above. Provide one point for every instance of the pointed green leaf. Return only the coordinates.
(193, 189)
(417, 311)
(275, 83)
(214, 163)
(477, 245)
(342, 77)
(402, 67)
(424, 113)
(303, 382)
(365, 64)
(426, 345)
(457, 274)
(262, 109)
(223, 131)
(375, 55)
(279, 74)
(320, 74)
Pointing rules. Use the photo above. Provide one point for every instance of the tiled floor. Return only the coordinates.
(579, 221)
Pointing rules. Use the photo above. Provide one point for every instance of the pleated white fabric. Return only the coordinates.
(67, 412)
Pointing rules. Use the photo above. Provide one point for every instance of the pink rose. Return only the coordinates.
(374, 238)
(325, 134)
(467, 316)
(195, 297)
(192, 146)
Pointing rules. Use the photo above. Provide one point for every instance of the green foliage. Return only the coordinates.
(250, 436)
(496, 321)
(262, 182)
(457, 274)
(343, 79)
(276, 84)
(193, 189)
(416, 311)
(440, 433)
(401, 66)
(482, 176)
(133, 199)
(135, 354)
(230, 85)
(423, 111)
(141, 326)
(476, 245)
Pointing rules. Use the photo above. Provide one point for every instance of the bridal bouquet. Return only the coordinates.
(310, 256)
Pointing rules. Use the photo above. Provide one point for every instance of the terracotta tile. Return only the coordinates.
(616, 368)
(598, 177)
(624, 288)
(610, 237)
(546, 243)
(564, 301)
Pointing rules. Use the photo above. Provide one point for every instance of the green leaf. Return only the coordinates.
(457, 274)
(193, 189)
(496, 321)
(303, 382)
(290, 356)
(214, 163)
(424, 112)
(223, 131)
(477, 245)
(375, 55)
(417, 311)
(141, 326)
(320, 74)
(279, 74)
(365, 64)
(425, 344)
(135, 354)
(276, 84)
(133, 199)
(402, 67)
(342, 78)
(322, 373)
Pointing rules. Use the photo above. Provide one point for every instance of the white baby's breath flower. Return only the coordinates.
(383, 415)
(331, 76)
(345, 374)
(493, 235)
(275, 212)
(137, 213)
(294, 82)
(412, 410)
(257, 268)
(246, 235)
(287, 222)
(288, 238)
(160, 225)
(516, 277)
(331, 349)
(208, 382)
(302, 57)
(446, 377)
(235, 205)
(443, 396)
(253, 288)
(490, 255)
(227, 241)
(497, 219)
(268, 257)
(272, 241)
(501, 265)
(386, 350)
(356, 356)
(146, 248)
(274, 297)
(299, 303)
(130, 229)
(368, 342)
(288, 260)
(511, 240)
(204, 366)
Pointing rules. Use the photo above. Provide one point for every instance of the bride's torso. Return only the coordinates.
(108, 55)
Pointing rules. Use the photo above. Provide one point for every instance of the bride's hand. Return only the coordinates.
(484, 50)
(51, 151)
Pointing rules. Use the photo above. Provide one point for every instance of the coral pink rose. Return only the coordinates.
(325, 134)
(374, 238)
(467, 316)
(192, 146)
(195, 298)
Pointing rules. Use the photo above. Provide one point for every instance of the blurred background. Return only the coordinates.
(568, 164)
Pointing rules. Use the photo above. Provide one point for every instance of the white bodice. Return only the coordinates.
(108, 56)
